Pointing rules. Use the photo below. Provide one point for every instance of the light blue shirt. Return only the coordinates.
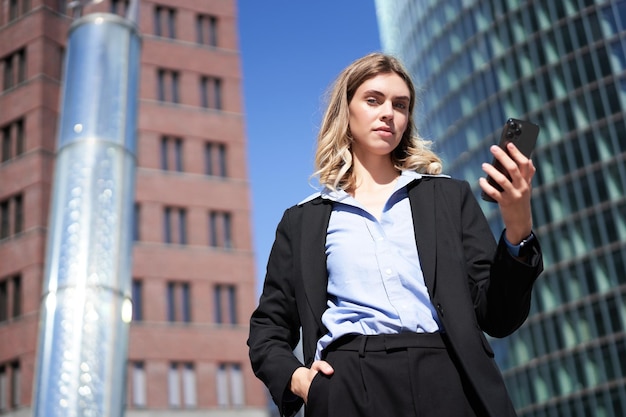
(375, 281)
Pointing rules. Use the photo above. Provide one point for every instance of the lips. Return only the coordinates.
(384, 130)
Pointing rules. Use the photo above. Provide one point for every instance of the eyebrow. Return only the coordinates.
(378, 93)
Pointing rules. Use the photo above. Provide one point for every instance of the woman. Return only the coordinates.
(392, 316)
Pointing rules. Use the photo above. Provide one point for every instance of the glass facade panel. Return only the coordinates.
(561, 64)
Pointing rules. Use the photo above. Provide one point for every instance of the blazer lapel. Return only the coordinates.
(315, 218)
(422, 199)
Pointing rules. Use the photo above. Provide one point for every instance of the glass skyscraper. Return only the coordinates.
(562, 65)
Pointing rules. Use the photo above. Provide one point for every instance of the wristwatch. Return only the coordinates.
(525, 246)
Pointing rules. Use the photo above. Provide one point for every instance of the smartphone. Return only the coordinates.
(524, 135)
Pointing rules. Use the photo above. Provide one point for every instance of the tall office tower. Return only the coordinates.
(193, 273)
(562, 65)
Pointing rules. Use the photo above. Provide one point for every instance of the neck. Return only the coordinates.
(375, 181)
(374, 172)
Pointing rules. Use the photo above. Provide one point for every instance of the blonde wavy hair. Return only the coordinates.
(333, 157)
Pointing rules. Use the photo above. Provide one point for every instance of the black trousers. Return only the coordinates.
(405, 375)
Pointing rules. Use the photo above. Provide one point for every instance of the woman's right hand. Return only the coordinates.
(302, 377)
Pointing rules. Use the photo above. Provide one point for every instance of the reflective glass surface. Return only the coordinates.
(562, 65)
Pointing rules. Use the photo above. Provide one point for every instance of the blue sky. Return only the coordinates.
(291, 52)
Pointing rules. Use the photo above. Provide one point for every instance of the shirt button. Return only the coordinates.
(388, 271)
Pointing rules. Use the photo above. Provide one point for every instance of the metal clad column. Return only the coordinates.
(86, 305)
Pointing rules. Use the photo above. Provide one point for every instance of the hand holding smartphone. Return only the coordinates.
(523, 134)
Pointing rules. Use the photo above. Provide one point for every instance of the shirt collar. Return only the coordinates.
(406, 177)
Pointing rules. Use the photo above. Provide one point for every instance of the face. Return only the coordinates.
(379, 115)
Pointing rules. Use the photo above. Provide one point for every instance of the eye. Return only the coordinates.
(371, 100)
(401, 106)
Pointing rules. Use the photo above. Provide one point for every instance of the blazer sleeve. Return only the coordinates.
(275, 324)
(500, 284)
(510, 288)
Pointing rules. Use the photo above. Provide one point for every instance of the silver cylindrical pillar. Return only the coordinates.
(86, 306)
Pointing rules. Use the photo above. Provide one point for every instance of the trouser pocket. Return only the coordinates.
(317, 399)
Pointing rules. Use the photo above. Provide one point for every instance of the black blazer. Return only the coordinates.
(474, 284)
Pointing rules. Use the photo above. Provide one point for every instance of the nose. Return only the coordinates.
(386, 111)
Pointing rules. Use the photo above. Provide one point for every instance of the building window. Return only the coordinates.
(225, 304)
(137, 292)
(11, 216)
(206, 30)
(211, 92)
(7, 144)
(138, 378)
(178, 302)
(4, 387)
(171, 154)
(14, 69)
(16, 296)
(189, 385)
(58, 73)
(220, 233)
(137, 222)
(10, 297)
(12, 140)
(16, 379)
(175, 225)
(167, 85)
(215, 159)
(4, 301)
(62, 6)
(182, 380)
(18, 214)
(229, 384)
(5, 222)
(119, 7)
(173, 384)
(10, 384)
(18, 8)
(165, 22)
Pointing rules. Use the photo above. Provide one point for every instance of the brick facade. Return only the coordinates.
(201, 343)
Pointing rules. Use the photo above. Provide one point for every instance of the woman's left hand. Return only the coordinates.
(514, 199)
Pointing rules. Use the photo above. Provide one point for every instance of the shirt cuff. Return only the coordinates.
(515, 249)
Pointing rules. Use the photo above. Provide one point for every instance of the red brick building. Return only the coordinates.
(193, 265)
